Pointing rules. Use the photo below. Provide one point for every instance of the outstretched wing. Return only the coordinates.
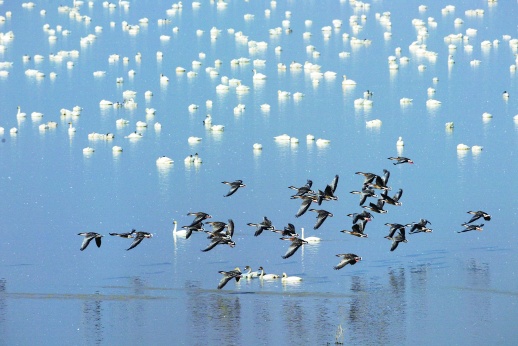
(213, 243)
(224, 281)
(306, 202)
(137, 241)
(85, 243)
(334, 183)
(291, 250)
(98, 241)
(398, 195)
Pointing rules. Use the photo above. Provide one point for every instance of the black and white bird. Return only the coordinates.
(198, 217)
(377, 208)
(472, 227)
(295, 244)
(347, 258)
(321, 217)
(89, 236)
(266, 224)
(393, 228)
(399, 238)
(139, 236)
(234, 186)
(357, 229)
(394, 200)
(477, 215)
(227, 276)
(367, 191)
(124, 235)
(303, 189)
(400, 159)
(419, 227)
(219, 239)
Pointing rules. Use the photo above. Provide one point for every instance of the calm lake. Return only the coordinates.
(417, 65)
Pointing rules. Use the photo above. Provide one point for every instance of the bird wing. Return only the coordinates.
(398, 195)
(306, 202)
(386, 177)
(233, 188)
(334, 183)
(230, 227)
(98, 241)
(213, 243)
(224, 281)
(322, 216)
(292, 249)
(137, 241)
(395, 243)
(342, 264)
(85, 243)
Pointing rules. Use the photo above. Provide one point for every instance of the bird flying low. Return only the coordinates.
(234, 186)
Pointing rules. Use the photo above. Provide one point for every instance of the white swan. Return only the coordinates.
(134, 135)
(20, 114)
(179, 232)
(400, 142)
(258, 146)
(264, 276)
(71, 128)
(347, 82)
(197, 160)
(283, 137)
(258, 76)
(116, 149)
(462, 146)
(286, 278)
(309, 239)
(193, 139)
(164, 160)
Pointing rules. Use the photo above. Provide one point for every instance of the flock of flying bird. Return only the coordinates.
(374, 186)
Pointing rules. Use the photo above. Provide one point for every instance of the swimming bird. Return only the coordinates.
(139, 236)
(233, 186)
(357, 230)
(264, 276)
(377, 208)
(321, 217)
(88, 238)
(303, 189)
(472, 227)
(477, 215)
(266, 224)
(295, 244)
(227, 276)
(393, 228)
(367, 191)
(258, 75)
(124, 235)
(199, 217)
(400, 160)
(286, 279)
(219, 239)
(394, 200)
(347, 258)
(311, 239)
(399, 238)
(247, 275)
(179, 232)
(20, 114)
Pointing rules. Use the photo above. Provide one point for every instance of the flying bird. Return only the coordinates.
(367, 191)
(321, 217)
(303, 189)
(393, 228)
(266, 224)
(233, 186)
(295, 244)
(394, 200)
(88, 238)
(420, 226)
(369, 177)
(306, 202)
(472, 227)
(357, 229)
(377, 208)
(227, 276)
(198, 217)
(347, 258)
(124, 235)
(218, 239)
(139, 236)
(399, 238)
(477, 215)
(364, 215)
(288, 231)
(400, 159)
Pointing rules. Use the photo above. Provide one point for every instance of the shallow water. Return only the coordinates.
(441, 287)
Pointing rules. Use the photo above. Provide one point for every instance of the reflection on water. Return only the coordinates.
(92, 324)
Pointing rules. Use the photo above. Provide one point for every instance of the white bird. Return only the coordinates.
(346, 81)
(258, 75)
(20, 114)
(71, 128)
(179, 232)
(400, 142)
(286, 278)
(264, 276)
(164, 160)
(309, 239)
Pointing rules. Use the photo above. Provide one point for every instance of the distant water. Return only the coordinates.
(439, 288)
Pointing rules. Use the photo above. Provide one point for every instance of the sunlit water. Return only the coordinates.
(441, 287)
